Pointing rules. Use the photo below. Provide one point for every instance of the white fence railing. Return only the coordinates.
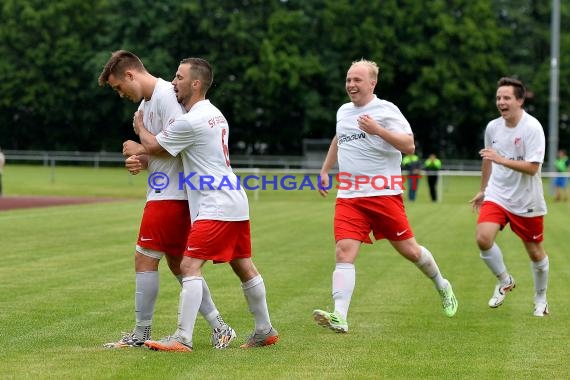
(309, 161)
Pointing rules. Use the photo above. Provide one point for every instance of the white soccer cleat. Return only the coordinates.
(222, 337)
(128, 340)
(501, 291)
(332, 321)
(541, 309)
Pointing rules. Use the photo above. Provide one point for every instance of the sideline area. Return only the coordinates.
(16, 202)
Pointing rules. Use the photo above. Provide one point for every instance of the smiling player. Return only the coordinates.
(511, 192)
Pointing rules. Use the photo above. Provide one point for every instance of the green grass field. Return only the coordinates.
(67, 287)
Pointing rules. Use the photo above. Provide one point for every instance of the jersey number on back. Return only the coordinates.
(225, 146)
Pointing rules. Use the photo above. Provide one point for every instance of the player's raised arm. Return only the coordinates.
(330, 160)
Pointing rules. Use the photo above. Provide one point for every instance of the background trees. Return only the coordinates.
(279, 65)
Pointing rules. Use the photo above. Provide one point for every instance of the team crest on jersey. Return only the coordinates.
(518, 141)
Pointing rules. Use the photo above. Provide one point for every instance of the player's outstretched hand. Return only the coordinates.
(133, 164)
(476, 201)
(324, 184)
(131, 148)
(367, 124)
(138, 121)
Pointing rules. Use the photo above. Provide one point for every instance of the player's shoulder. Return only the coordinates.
(163, 86)
(345, 107)
(385, 104)
(495, 123)
(201, 112)
(531, 121)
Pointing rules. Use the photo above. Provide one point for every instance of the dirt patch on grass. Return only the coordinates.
(11, 202)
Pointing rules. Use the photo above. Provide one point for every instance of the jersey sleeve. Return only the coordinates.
(393, 120)
(176, 137)
(488, 137)
(536, 144)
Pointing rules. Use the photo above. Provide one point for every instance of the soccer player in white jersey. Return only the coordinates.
(219, 208)
(511, 192)
(371, 135)
(166, 218)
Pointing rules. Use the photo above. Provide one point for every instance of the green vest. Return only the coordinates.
(434, 164)
(561, 164)
(409, 159)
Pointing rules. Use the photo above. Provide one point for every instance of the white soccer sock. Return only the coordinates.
(207, 307)
(343, 283)
(429, 267)
(190, 300)
(254, 291)
(540, 274)
(146, 292)
(493, 257)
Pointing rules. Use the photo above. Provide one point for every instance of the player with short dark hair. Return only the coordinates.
(166, 218)
(220, 214)
(511, 192)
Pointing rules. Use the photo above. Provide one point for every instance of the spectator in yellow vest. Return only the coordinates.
(2, 162)
(561, 182)
(412, 165)
(432, 166)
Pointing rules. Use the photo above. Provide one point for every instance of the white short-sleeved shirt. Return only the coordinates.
(363, 154)
(201, 138)
(158, 112)
(519, 193)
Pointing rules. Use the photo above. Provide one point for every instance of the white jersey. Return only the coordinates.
(363, 154)
(160, 111)
(201, 138)
(519, 193)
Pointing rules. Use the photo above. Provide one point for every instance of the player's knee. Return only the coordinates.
(484, 241)
(244, 269)
(346, 253)
(410, 252)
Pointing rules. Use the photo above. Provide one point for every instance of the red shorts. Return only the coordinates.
(385, 216)
(219, 241)
(529, 229)
(165, 226)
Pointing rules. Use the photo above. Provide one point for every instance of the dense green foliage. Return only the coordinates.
(279, 65)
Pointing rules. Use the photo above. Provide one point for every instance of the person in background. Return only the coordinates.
(412, 165)
(511, 192)
(561, 182)
(2, 163)
(432, 166)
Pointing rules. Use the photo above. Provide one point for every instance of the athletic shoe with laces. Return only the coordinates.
(501, 291)
(259, 339)
(541, 309)
(128, 340)
(170, 343)
(331, 320)
(448, 300)
(223, 336)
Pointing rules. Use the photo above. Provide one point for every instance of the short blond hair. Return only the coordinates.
(371, 65)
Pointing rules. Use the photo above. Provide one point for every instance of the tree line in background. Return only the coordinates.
(279, 66)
